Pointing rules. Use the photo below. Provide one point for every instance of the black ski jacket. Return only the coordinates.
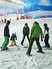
(6, 31)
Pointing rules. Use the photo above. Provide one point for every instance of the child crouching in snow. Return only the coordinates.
(13, 39)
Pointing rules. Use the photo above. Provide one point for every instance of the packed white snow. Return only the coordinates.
(15, 57)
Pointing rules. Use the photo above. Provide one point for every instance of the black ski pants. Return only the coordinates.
(24, 38)
(46, 40)
(31, 43)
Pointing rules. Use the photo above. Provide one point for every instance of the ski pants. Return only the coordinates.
(13, 43)
(31, 43)
(24, 38)
(5, 43)
(46, 40)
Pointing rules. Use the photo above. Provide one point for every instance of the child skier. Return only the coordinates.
(6, 36)
(46, 35)
(13, 39)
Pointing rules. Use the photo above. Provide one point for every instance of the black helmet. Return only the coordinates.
(35, 22)
(45, 25)
(26, 24)
(8, 22)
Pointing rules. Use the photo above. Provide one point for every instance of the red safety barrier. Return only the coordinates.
(30, 17)
(5, 20)
(17, 18)
(22, 17)
(0, 21)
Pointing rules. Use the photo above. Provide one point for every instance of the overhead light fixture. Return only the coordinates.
(18, 1)
(13, 0)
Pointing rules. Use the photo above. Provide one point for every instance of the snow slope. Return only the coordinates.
(16, 58)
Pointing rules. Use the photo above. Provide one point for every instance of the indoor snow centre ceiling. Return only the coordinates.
(28, 7)
(11, 6)
(16, 4)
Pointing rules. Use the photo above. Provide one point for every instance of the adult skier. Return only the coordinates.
(6, 36)
(25, 33)
(35, 34)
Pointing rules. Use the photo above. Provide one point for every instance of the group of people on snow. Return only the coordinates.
(36, 32)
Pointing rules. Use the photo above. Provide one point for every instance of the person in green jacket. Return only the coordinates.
(35, 34)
